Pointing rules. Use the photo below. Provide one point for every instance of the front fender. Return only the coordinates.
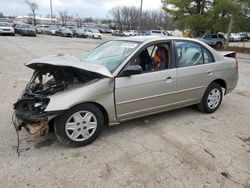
(99, 91)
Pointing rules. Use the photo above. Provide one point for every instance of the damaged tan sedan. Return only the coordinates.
(121, 80)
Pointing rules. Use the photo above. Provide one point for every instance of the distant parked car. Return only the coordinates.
(159, 33)
(128, 33)
(43, 28)
(27, 30)
(244, 36)
(38, 30)
(6, 28)
(95, 34)
(79, 33)
(117, 33)
(235, 37)
(214, 40)
(64, 32)
(51, 30)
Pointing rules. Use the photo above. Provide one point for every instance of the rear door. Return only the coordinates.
(195, 71)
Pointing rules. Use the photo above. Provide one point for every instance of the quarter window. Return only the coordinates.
(207, 57)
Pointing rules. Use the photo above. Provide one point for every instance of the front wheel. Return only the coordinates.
(79, 126)
(212, 98)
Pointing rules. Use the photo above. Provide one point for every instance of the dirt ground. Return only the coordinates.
(181, 148)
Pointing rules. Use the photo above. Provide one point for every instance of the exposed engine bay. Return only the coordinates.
(46, 81)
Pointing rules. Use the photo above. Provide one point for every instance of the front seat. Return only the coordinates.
(145, 59)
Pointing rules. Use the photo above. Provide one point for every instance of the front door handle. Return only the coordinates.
(168, 79)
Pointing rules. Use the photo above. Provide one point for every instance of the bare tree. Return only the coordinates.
(116, 14)
(64, 16)
(128, 18)
(33, 7)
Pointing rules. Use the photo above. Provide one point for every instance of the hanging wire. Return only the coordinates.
(15, 123)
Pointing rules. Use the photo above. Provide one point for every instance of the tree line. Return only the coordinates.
(209, 15)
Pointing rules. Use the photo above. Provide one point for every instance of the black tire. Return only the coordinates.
(218, 45)
(203, 106)
(60, 125)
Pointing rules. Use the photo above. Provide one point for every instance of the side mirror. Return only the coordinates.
(131, 70)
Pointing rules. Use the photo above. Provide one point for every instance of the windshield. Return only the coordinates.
(110, 54)
(27, 26)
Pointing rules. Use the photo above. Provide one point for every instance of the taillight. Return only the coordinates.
(236, 64)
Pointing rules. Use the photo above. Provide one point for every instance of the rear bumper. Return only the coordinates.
(233, 83)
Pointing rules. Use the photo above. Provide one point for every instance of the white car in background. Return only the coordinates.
(128, 33)
(159, 33)
(6, 28)
(235, 37)
(95, 34)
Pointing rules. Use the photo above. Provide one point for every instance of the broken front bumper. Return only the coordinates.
(30, 114)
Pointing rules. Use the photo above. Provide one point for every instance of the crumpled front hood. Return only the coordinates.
(68, 61)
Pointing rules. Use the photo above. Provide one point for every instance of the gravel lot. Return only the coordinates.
(181, 148)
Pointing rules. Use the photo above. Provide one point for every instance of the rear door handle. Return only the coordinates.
(210, 72)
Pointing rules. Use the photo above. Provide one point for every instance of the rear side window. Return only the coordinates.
(207, 37)
(214, 36)
(189, 54)
(221, 36)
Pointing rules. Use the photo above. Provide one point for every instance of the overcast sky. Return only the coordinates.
(84, 8)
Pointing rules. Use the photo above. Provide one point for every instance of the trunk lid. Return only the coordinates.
(228, 53)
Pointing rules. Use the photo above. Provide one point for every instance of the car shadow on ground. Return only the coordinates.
(158, 121)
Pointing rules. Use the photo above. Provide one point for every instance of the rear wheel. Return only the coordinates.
(211, 99)
(79, 126)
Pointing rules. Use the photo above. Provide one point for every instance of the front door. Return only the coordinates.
(149, 92)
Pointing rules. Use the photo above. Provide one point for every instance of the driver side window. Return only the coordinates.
(155, 57)
(189, 54)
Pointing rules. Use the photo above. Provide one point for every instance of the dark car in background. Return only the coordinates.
(64, 32)
(79, 33)
(214, 40)
(26, 30)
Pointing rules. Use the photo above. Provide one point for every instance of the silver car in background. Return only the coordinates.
(6, 28)
(116, 82)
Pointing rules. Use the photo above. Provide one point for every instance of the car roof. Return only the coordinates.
(151, 38)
